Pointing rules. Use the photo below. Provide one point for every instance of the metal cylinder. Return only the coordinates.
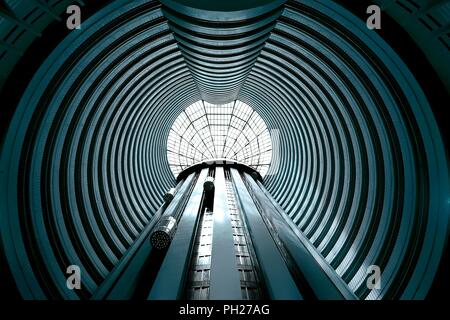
(255, 176)
(208, 185)
(168, 196)
(162, 235)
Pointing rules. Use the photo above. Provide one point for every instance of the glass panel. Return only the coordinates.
(206, 131)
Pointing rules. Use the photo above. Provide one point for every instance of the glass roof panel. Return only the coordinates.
(205, 131)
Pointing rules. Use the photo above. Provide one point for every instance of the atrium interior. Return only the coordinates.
(224, 150)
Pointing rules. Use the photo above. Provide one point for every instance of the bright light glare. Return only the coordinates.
(232, 131)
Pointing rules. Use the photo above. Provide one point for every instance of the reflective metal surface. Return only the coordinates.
(359, 164)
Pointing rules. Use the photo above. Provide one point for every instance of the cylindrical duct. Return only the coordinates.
(168, 196)
(163, 232)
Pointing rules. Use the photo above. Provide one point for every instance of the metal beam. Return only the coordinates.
(8, 13)
(47, 8)
(122, 281)
(225, 282)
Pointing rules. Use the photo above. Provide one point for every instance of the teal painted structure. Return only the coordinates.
(361, 168)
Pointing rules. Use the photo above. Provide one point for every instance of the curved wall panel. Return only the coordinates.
(368, 179)
(86, 153)
(360, 166)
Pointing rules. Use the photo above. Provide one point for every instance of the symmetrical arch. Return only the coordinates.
(360, 163)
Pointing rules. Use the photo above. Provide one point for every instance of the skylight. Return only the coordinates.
(233, 131)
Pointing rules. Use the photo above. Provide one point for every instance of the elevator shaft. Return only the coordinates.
(233, 242)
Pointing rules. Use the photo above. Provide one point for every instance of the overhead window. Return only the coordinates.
(231, 131)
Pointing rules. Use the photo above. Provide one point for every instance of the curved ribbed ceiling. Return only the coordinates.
(220, 46)
(359, 163)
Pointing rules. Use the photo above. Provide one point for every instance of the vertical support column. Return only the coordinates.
(122, 281)
(169, 282)
(225, 281)
(322, 279)
(278, 280)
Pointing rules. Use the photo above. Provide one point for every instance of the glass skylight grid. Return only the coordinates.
(232, 131)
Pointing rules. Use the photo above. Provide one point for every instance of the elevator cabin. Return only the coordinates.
(221, 236)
